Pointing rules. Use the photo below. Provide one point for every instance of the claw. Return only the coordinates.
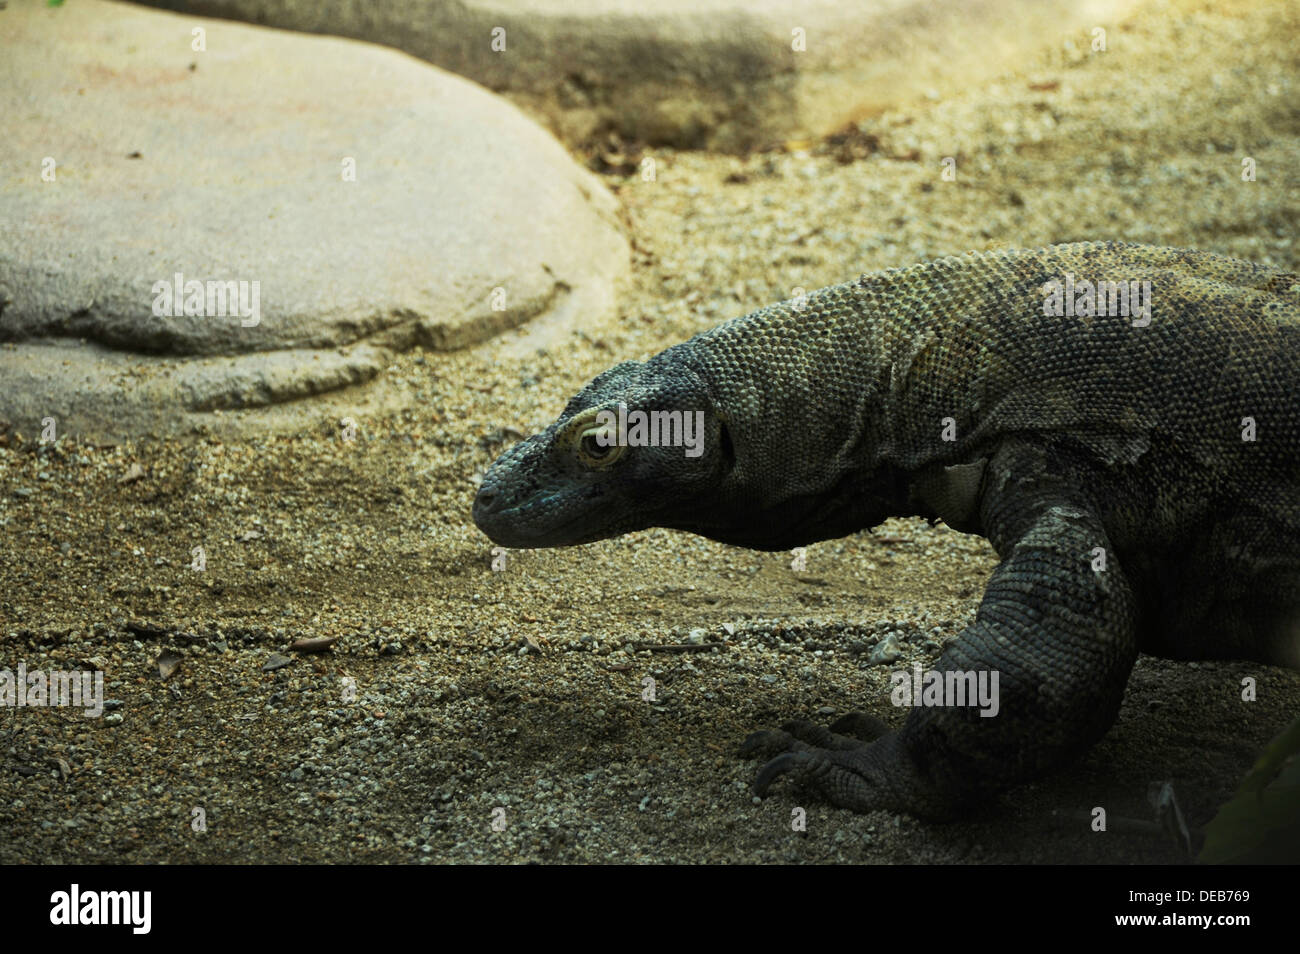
(765, 741)
(859, 725)
(808, 732)
(785, 762)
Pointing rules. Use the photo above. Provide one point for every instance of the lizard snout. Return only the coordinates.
(486, 502)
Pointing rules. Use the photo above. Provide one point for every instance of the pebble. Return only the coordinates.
(887, 650)
(276, 661)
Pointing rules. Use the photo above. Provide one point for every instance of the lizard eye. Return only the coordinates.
(594, 452)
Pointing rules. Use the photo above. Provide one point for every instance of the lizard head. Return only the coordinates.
(640, 446)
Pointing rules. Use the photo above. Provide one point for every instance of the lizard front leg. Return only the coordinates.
(1059, 632)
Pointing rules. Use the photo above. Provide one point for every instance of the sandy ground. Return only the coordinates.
(472, 715)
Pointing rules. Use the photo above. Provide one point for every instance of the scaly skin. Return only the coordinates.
(943, 390)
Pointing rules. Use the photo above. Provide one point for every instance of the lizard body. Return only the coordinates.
(1138, 475)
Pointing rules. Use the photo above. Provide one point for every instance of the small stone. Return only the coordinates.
(887, 650)
(113, 718)
(168, 662)
(317, 644)
(276, 661)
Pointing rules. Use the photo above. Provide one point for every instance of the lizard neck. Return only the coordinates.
(804, 390)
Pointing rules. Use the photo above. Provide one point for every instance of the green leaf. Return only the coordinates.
(1261, 823)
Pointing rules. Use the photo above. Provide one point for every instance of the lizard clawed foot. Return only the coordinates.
(836, 760)
(849, 778)
(850, 731)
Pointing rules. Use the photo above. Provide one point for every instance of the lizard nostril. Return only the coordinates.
(485, 500)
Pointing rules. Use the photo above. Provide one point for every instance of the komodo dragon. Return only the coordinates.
(1137, 474)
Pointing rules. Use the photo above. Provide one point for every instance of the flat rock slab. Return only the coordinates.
(720, 74)
(317, 202)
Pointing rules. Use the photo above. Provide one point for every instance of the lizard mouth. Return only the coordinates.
(513, 527)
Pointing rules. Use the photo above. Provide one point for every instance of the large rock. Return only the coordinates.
(228, 165)
(721, 74)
